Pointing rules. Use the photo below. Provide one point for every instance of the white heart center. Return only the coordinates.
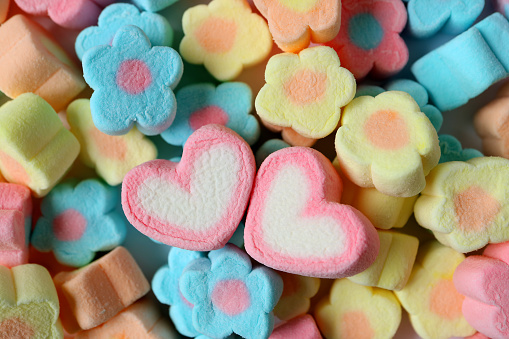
(287, 230)
(214, 179)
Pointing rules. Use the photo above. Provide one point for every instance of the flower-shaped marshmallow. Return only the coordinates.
(29, 305)
(387, 143)
(466, 204)
(415, 89)
(369, 37)
(78, 221)
(451, 150)
(293, 24)
(225, 36)
(305, 91)
(165, 285)
(113, 17)
(356, 311)
(427, 17)
(430, 298)
(201, 104)
(132, 82)
(229, 296)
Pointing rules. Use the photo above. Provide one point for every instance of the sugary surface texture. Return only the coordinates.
(113, 17)
(294, 25)
(305, 91)
(112, 156)
(133, 82)
(35, 148)
(355, 311)
(283, 219)
(465, 203)
(31, 61)
(197, 203)
(97, 292)
(28, 303)
(225, 36)
(229, 296)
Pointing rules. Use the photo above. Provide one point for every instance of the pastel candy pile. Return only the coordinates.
(430, 297)
(490, 122)
(97, 292)
(384, 211)
(111, 156)
(483, 281)
(35, 148)
(387, 143)
(294, 25)
(229, 295)
(467, 65)
(31, 61)
(132, 82)
(113, 17)
(140, 320)
(15, 224)
(393, 264)
(79, 220)
(225, 36)
(217, 169)
(465, 203)
(427, 17)
(29, 305)
(165, 285)
(70, 14)
(295, 299)
(305, 91)
(228, 104)
(303, 229)
(211, 222)
(355, 311)
(368, 40)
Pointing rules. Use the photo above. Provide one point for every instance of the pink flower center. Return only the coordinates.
(15, 328)
(231, 297)
(69, 225)
(387, 130)
(133, 76)
(208, 115)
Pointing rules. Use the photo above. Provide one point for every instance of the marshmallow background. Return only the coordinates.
(457, 122)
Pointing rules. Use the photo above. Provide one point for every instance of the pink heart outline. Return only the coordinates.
(198, 144)
(361, 239)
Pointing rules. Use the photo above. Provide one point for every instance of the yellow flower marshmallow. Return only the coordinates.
(430, 297)
(305, 91)
(466, 204)
(225, 36)
(356, 311)
(386, 142)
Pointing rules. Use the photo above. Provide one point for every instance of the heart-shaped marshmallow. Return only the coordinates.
(296, 224)
(198, 203)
